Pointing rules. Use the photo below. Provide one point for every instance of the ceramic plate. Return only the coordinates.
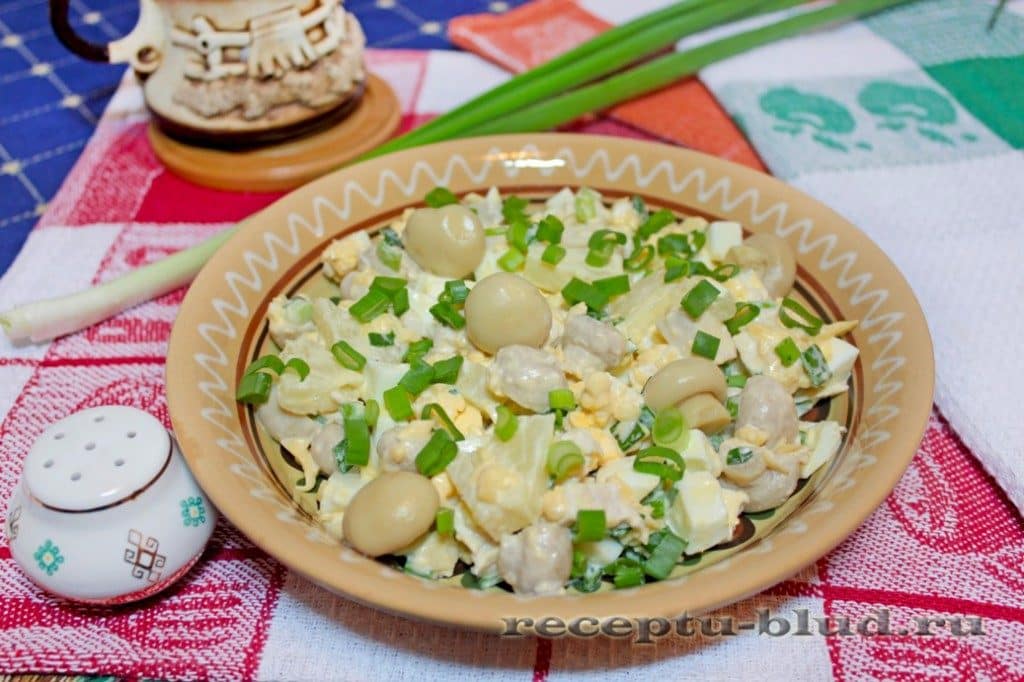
(842, 275)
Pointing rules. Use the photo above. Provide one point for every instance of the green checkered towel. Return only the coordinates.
(911, 124)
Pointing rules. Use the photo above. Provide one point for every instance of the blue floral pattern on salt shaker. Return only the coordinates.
(48, 557)
(193, 512)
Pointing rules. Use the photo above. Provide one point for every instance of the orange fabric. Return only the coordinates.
(686, 113)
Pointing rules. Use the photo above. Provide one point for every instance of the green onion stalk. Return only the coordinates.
(548, 96)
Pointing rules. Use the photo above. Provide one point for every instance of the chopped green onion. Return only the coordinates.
(381, 340)
(613, 286)
(562, 399)
(733, 407)
(375, 303)
(655, 222)
(300, 366)
(577, 290)
(725, 271)
(254, 388)
(298, 310)
(417, 349)
(444, 522)
(506, 425)
(389, 255)
(699, 239)
(640, 206)
(511, 260)
(586, 205)
(400, 302)
(396, 402)
(787, 351)
(357, 435)
(440, 196)
(553, 254)
(668, 426)
(387, 285)
(736, 380)
(437, 454)
(740, 455)
(675, 268)
(391, 237)
(745, 314)
(514, 209)
(600, 257)
(590, 525)
(347, 356)
(659, 500)
(372, 412)
(435, 410)
(564, 458)
(550, 230)
(628, 576)
(674, 243)
(447, 371)
(455, 291)
(699, 298)
(807, 321)
(271, 362)
(639, 259)
(816, 366)
(419, 376)
(518, 236)
(495, 231)
(664, 556)
(705, 345)
(446, 314)
(603, 238)
(662, 462)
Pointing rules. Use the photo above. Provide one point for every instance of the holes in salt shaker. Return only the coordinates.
(76, 476)
(98, 419)
(58, 436)
(119, 462)
(90, 446)
(131, 434)
(47, 464)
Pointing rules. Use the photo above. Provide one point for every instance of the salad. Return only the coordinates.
(545, 395)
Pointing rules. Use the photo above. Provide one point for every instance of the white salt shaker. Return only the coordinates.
(106, 510)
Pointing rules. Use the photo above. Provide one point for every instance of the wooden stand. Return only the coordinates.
(291, 163)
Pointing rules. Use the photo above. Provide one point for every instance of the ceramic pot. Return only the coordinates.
(106, 511)
(237, 72)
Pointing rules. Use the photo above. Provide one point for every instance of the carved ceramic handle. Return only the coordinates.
(141, 48)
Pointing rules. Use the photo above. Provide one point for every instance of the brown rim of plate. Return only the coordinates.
(215, 326)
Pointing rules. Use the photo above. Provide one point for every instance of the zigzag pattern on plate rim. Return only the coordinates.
(219, 412)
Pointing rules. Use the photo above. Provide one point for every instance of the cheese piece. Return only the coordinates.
(621, 473)
(699, 514)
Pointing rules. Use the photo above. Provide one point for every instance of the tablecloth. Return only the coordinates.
(946, 543)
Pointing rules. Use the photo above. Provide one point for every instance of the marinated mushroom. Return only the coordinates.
(682, 379)
(771, 258)
(773, 487)
(704, 412)
(766, 405)
(447, 241)
(506, 310)
(390, 512)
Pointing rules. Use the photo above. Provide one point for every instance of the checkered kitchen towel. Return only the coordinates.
(947, 541)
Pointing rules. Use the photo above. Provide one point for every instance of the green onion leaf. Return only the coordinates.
(419, 376)
(787, 351)
(446, 314)
(511, 260)
(254, 388)
(664, 556)
(562, 399)
(390, 256)
(447, 371)
(553, 254)
(736, 381)
(381, 340)
(518, 236)
(604, 238)
(590, 525)
(440, 196)
(733, 407)
(391, 237)
(298, 310)
(674, 243)
(550, 230)
(372, 412)
(675, 268)
(745, 314)
(455, 291)
(628, 576)
(444, 522)
(396, 402)
(740, 455)
(564, 458)
(705, 345)
(805, 319)
(400, 302)
(387, 285)
(506, 425)
(662, 462)
(435, 410)
(372, 305)
(271, 362)
(655, 222)
(437, 454)
(514, 209)
(816, 366)
(600, 257)
(357, 435)
(640, 206)
(639, 259)
(577, 290)
(613, 286)
(417, 349)
(348, 357)
(586, 205)
(300, 366)
(725, 271)
(699, 298)
(669, 426)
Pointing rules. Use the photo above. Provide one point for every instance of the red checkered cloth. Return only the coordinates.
(945, 543)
